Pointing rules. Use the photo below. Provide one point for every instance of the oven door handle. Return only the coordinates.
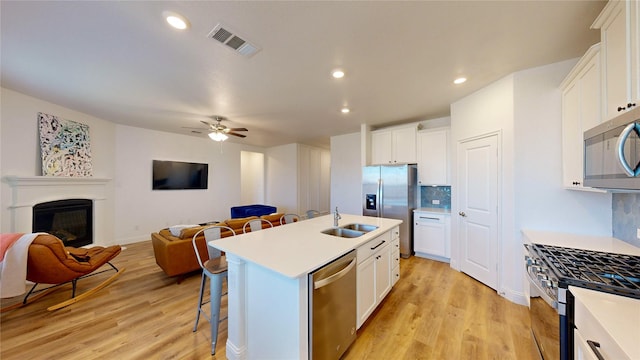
(543, 294)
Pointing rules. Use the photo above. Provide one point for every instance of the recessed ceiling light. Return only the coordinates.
(338, 74)
(345, 110)
(459, 80)
(176, 20)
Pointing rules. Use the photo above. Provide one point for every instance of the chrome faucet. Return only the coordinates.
(336, 217)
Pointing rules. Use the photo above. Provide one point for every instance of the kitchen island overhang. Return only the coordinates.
(268, 282)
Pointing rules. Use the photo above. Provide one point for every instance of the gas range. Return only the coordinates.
(551, 270)
(617, 274)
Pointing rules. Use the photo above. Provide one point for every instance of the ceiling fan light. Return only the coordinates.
(218, 136)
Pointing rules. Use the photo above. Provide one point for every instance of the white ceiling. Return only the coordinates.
(120, 61)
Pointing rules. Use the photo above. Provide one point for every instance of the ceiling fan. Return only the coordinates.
(219, 132)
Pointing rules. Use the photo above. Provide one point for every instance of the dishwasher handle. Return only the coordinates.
(335, 277)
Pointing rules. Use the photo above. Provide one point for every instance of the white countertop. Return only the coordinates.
(297, 249)
(446, 211)
(618, 315)
(587, 242)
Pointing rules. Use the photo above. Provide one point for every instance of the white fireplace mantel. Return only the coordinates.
(28, 191)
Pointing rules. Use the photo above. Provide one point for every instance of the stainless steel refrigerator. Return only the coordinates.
(389, 191)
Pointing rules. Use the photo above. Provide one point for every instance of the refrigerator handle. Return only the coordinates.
(379, 198)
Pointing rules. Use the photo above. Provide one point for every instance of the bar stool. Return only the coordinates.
(255, 225)
(312, 213)
(216, 270)
(289, 219)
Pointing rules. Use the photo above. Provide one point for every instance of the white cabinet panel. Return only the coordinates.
(433, 157)
(393, 146)
(377, 272)
(618, 24)
(581, 110)
(431, 235)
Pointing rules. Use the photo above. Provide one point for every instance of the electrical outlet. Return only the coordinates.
(638, 233)
(435, 202)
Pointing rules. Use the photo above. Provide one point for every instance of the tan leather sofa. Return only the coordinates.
(175, 255)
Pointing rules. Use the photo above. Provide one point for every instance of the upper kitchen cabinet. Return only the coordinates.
(433, 157)
(620, 38)
(393, 146)
(581, 110)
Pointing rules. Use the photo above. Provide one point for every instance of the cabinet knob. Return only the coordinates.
(461, 213)
(629, 105)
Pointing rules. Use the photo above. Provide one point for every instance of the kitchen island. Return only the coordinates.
(268, 282)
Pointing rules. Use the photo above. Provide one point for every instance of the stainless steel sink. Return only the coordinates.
(342, 232)
(360, 227)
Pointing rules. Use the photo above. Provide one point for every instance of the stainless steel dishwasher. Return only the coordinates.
(332, 308)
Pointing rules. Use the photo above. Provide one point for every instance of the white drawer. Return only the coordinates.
(369, 248)
(395, 275)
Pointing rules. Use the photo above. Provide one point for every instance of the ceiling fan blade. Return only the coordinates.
(235, 134)
(238, 129)
(206, 123)
(194, 128)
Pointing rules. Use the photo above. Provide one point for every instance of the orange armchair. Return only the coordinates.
(50, 262)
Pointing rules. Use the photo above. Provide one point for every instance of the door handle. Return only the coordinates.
(461, 213)
(620, 147)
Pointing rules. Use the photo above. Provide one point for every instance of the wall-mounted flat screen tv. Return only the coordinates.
(176, 175)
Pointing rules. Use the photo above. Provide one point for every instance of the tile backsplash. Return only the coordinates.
(439, 193)
(626, 217)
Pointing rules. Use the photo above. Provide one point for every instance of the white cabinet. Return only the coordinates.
(374, 274)
(433, 157)
(431, 235)
(619, 31)
(395, 255)
(603, 326)
(393, 146)
(581, 101)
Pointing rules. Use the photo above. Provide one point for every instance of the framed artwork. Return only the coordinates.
(65, 147)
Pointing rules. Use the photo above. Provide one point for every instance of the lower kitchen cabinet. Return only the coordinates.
(431, 231)
(374, 273)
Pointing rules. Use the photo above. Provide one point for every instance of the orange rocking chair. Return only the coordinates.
(50, 262)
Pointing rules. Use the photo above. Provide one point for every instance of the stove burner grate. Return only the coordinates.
(609, 272)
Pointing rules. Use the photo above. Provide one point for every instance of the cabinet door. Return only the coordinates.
(430, 235)
(366, 291)
(581, 110)
(615, 32)
(383, 273)
(572, 148)
(581, 350)
(433, 158)
(404, 145)
(381, 147)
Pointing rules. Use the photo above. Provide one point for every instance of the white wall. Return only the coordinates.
(124, 154)
(252, 177)
(346, 174)
(282, 178)
(525, 108)
(20, 146)
(140, 210)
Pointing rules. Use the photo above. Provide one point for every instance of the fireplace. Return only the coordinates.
(70, 220)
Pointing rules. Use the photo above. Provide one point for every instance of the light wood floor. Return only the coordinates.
(433, 312)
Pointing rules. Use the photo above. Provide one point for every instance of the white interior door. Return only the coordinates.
(478, 208)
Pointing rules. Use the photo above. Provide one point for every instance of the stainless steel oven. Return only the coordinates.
(551, 269)
(543, 306)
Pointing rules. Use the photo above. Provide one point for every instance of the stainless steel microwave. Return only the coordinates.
(612, 153)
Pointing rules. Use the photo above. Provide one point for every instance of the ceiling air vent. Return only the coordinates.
(233, 41)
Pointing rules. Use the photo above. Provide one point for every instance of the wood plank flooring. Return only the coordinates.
(433, 312)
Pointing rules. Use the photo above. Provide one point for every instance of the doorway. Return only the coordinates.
(478, 208)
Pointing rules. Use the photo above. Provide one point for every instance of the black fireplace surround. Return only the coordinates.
(70, 220)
